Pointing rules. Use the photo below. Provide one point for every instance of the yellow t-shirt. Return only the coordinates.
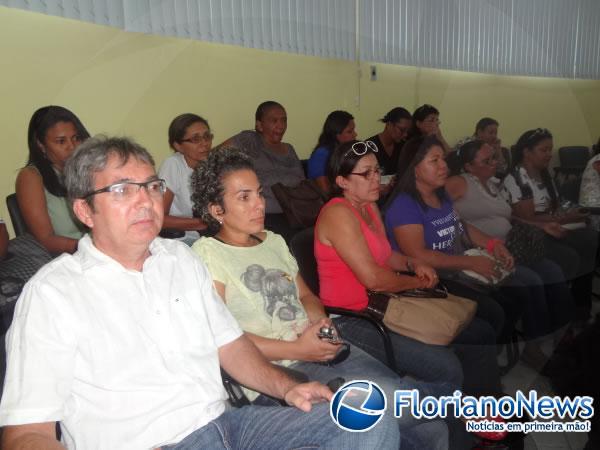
(260, 287)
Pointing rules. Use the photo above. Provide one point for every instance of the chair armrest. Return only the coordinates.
(379, 326)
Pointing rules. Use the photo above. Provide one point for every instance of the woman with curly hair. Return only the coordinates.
(257, 277)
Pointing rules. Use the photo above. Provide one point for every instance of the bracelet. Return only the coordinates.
(491, 245)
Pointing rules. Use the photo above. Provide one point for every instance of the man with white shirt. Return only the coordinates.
(121, 342)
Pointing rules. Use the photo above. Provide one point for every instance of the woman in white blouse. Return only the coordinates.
(534, 198)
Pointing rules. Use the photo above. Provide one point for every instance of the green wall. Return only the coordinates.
(134, 84)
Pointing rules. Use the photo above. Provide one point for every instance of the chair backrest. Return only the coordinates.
(304, 163)
(574, 156)
(302, 247)
(16, 218)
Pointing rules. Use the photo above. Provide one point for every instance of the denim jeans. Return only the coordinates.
(576, 255)
(261, 427)
(545, 299)
(359, 365)
(431, 363)
(473, 348)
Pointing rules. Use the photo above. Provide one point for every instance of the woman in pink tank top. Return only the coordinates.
(353, 255)
(351, 248)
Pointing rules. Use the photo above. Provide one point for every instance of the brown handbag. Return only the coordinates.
(432, 320)
(301, 203)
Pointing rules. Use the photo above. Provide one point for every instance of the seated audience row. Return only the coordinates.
(122, 342)
(425, 220)
(354, 255)
(255, 274)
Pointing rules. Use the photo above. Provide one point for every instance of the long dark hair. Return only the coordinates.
(528, 141)
(334, 124)
(419, 146)
(43, 119)
(484, 123)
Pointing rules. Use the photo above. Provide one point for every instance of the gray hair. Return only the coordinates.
(92, 156)
(207, 181)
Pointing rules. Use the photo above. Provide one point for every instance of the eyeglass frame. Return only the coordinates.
(367, 174)
(142, 184)
(206, 137)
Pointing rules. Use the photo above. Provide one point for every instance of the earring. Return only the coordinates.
(220, 221)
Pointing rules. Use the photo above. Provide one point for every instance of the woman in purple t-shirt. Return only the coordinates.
(421, 222)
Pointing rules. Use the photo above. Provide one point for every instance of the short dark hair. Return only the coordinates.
(420, 114)
(334, 124)
(396, 114)
(180, 124)
(341, 163)
(41, 121)
(207, 181)
(264, 107)
(92, 156)
(463, 155)
(484, 123)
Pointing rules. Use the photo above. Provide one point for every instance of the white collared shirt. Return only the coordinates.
(123, 359)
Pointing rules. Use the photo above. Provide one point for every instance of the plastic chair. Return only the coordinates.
(16, 217)
(302, 247)
(574, 156)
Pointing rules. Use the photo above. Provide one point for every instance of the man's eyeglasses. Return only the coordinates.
(198, 138)
(128, 189)
(368, 174)
(361, 147)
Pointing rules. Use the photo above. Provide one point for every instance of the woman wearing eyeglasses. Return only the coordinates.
(191, 140)
(389, 142)
(425, 122)
(339, 127)
(533, 198)
(54, 133)
(257, 277)
(540, 285)
(353, 256)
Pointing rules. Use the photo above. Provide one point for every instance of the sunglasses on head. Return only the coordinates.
(362, 147)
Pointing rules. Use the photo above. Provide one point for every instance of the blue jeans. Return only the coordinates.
(431, 363)
(262, 427)
(474, 349)
(546, 301)
(361, 366)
